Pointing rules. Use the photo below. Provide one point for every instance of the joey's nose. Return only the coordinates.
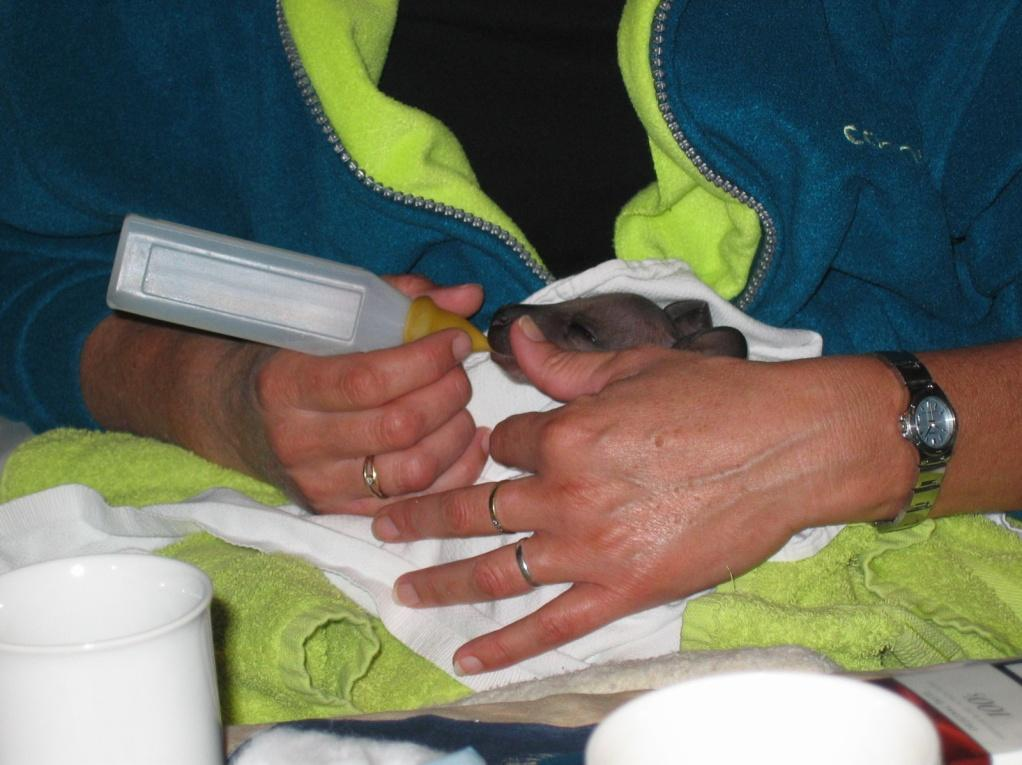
(500, 326)
(506, 315)
(500, 320)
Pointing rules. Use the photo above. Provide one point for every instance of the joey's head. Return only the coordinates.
(616, 321)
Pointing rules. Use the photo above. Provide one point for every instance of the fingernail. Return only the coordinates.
(405, 594)
(461, 346)
(531, 329)
(467, 665)
(485, 440)
(385, 529)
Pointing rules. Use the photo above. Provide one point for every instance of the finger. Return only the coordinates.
(565, 375)
(462, 299)
(569, 616)
(515, 442)
(415, 469)
(360, 381)
(494, 575)
(545, 442)
(411, 285)
(318, 440)
(403, 423)
(407, 471)
(465, 471)
(344, 489)
(460, 513)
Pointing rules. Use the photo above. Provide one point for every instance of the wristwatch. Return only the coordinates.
(930, 425)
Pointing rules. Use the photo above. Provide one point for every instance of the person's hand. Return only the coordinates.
(304, 423)
(312, 421)
(667, 473)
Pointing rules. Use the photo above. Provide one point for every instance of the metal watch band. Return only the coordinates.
(931, 465)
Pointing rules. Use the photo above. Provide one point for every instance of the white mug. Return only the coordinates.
(108, 659)
(794, 718)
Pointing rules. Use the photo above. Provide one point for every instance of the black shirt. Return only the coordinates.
(533, 91)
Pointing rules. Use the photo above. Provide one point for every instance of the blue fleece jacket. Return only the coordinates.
(874, 146)
(882, 140)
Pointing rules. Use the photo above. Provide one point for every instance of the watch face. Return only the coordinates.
(935, 422)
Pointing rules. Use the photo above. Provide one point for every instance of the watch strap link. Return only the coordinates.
(931, 465)
(912, 370)
(924, 497)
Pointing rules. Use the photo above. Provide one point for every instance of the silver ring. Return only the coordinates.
(493, 509)
(372, 478)
(523, 566)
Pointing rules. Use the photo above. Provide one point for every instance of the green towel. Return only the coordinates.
(945, 590)
(942, 591)
(125, 469)
(314, 653)
(289, 644)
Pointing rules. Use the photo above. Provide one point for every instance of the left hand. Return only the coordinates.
(665, 474)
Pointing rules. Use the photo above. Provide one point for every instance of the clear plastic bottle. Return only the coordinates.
(268, 295)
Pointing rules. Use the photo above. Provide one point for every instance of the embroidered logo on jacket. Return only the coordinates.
(861, 137)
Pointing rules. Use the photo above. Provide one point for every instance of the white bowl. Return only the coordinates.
(795, 718)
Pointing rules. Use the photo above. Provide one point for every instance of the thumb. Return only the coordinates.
(462, 299)
(562, 375)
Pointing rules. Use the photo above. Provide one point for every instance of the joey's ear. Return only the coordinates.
(689, 317)
(718, 341)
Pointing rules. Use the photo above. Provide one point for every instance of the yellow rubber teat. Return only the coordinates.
(424, 318)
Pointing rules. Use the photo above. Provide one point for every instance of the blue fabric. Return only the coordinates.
(883, 139)
(190, 115)
(498, 743)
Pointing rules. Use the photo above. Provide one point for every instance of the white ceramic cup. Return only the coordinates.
(795, 718)
(108, 659)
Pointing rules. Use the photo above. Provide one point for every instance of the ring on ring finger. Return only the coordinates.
(372, 478)
(492, 505)
(523, 567)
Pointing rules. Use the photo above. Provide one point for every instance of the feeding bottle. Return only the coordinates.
(268, 295)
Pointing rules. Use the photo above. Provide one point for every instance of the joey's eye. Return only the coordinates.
(582, 333)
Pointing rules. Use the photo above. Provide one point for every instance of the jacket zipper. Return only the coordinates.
(768, 244)
(308, 94)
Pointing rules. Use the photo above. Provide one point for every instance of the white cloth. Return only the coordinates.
(74, 520)
(283, 745)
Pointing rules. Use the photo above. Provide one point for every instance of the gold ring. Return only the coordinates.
(493, 509)
(371, 478)
(523, 566)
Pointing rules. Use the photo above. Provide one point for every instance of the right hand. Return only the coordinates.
(303, 423)
(307, 423)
